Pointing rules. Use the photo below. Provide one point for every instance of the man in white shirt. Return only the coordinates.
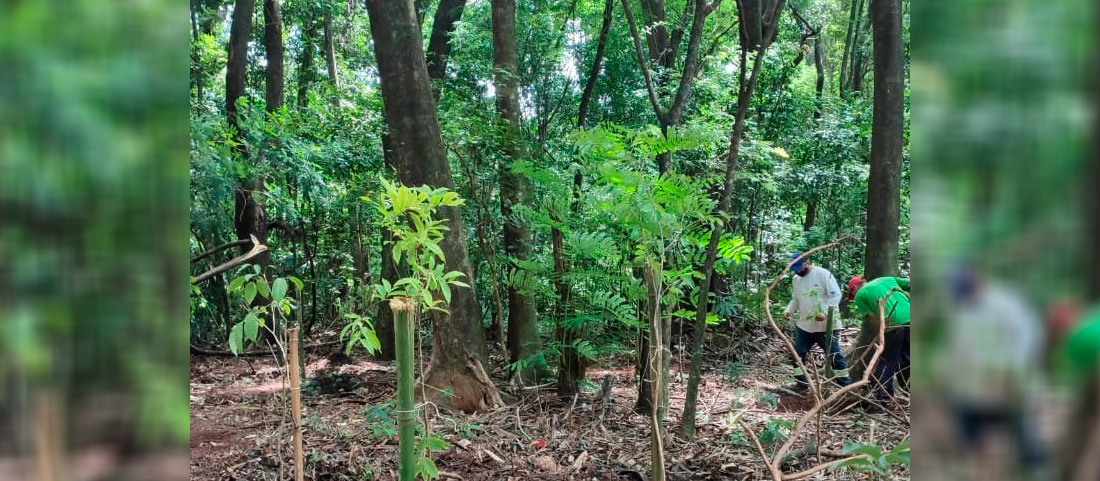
(814, 291)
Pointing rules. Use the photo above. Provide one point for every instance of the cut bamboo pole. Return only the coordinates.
(296, 403)
(404, 310)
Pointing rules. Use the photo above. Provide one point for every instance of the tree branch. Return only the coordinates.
(257, 249)
(227, 245)
(642, 62)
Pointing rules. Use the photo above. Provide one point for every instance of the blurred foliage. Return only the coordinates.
(92, 207)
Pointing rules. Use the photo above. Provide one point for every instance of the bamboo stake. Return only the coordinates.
(296, 403)
(403, 312)
(48, 440)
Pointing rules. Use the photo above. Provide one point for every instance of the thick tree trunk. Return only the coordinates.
(884, 182)
(305, 62)
(273, 44)
(515, 190)
(439, 46)
(237, 64)
(458, 341)
(330, 52)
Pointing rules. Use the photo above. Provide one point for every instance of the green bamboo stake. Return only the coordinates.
(829, 344)
(404, 309)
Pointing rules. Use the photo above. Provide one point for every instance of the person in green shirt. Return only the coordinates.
(894, 360)
(1076, 358)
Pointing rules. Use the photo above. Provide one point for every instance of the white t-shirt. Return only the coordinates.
(992, 346)
(812, 295)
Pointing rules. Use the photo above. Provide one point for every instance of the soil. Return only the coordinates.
(241, 429)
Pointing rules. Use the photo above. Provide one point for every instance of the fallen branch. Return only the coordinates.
(257, 249)
(227, 245)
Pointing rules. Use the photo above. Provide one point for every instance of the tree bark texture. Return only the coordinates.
(515, 190)
(237, 63)
(458, 344)
(884, 182)
(273, 44)
(330, 52)
(306, 75)
(439, 46)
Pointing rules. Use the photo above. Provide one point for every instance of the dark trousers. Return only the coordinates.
(804, 341)
(974, 422)
(894, 361)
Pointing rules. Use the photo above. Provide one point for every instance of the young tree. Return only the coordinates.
(884, 182)
(458, 342)
(515, 189)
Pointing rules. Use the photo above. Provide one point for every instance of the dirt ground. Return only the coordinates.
(241, 430)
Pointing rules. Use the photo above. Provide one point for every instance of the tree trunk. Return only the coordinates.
(389, 271)
(273, 44)
(305, 63)
(237, 64)
(330, 52)
(884, 182)
(594, 73)
(811, 215)
(515, 190)
(858, 54)
(458, 341)
(439, 47)
(196, 67)
(842, 78)
(819, 87)
(702, 307)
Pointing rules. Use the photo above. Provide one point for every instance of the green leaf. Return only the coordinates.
(426, 468)
(370, 341)
(251, 326)
(235, 343)
(278, 289)
(298, 284)
(437, 444)
(250, 292)
(446, 291)
(235, 284)
(263, 288)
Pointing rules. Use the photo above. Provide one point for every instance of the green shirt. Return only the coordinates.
(1081, 349)
(897, 303)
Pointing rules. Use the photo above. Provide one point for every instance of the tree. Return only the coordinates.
(751, 40)
(515, 189)
(662, 52)
(884, 181)
(458, 342)
(273, 44)
(439, 46)
(249, 216)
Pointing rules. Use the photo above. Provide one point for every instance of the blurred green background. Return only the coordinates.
(93, 222)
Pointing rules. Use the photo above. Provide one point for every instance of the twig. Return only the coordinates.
(776, 474)
(819, 467)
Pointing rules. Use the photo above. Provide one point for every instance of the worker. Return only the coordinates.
(1077, 361)
(814, 291)
(894, 360)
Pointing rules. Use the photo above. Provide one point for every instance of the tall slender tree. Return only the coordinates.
(515, 189)
(458, 343)
(769, 21)
(884, 182)
(273, 44)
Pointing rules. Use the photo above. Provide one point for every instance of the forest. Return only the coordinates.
(549, 239)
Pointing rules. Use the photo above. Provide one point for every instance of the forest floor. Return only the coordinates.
(240, 428)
